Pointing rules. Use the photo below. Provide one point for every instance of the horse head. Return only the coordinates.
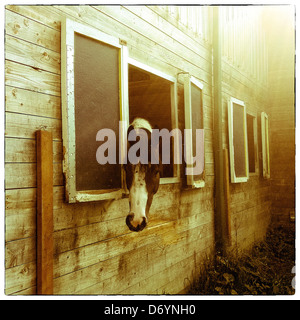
(142, 178)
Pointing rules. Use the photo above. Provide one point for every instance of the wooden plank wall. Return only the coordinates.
(250, 202)
(244, 77)
(282, 112)
(94, 252)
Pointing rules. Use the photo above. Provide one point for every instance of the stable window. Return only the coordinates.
(94, 96)
(238, 144)
(153, 96)
(265, 144)
(252, 143)
(194, 135)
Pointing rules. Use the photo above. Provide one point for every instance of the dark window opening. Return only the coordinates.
(251, 142)
(239, 141)
(150, 98)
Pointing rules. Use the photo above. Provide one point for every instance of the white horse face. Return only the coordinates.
(142, 181)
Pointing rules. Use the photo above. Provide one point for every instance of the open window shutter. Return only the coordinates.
(194, 122)
(94, 93)
(238, 144)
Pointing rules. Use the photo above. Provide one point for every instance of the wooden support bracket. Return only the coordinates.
(44, 212)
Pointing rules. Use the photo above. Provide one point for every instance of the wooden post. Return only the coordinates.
(44, 212)
(227, 197)
(218, 132)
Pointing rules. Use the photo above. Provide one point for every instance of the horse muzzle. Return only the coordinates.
(136, 224)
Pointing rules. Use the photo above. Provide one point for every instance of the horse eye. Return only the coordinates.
(156, 171)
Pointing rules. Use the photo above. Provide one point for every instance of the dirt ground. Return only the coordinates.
(266, 270)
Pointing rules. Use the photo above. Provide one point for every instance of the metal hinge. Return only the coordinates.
(123, 42)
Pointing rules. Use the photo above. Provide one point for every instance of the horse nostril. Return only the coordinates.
(135, 226)
(129, 218)
(143, 224)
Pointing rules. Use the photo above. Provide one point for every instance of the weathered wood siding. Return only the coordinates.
(282, 112)
(94, 252)
(250, 202)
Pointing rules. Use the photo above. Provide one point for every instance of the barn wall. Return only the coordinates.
(282, 112)
(250, 202)
(94, 252)
(244, 78)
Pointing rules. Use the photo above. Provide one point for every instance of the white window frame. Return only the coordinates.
(265, 145)
(252, 114)
(234, 178)
(174, 111)
(187, 81)
(68, 29)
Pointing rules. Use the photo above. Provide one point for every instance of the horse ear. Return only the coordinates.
(130, 128)
(158, 153)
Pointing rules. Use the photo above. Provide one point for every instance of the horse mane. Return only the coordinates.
(140, 123)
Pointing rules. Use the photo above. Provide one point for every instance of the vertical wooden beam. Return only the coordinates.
(220, 232)
(44, 212)
(227, 197)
